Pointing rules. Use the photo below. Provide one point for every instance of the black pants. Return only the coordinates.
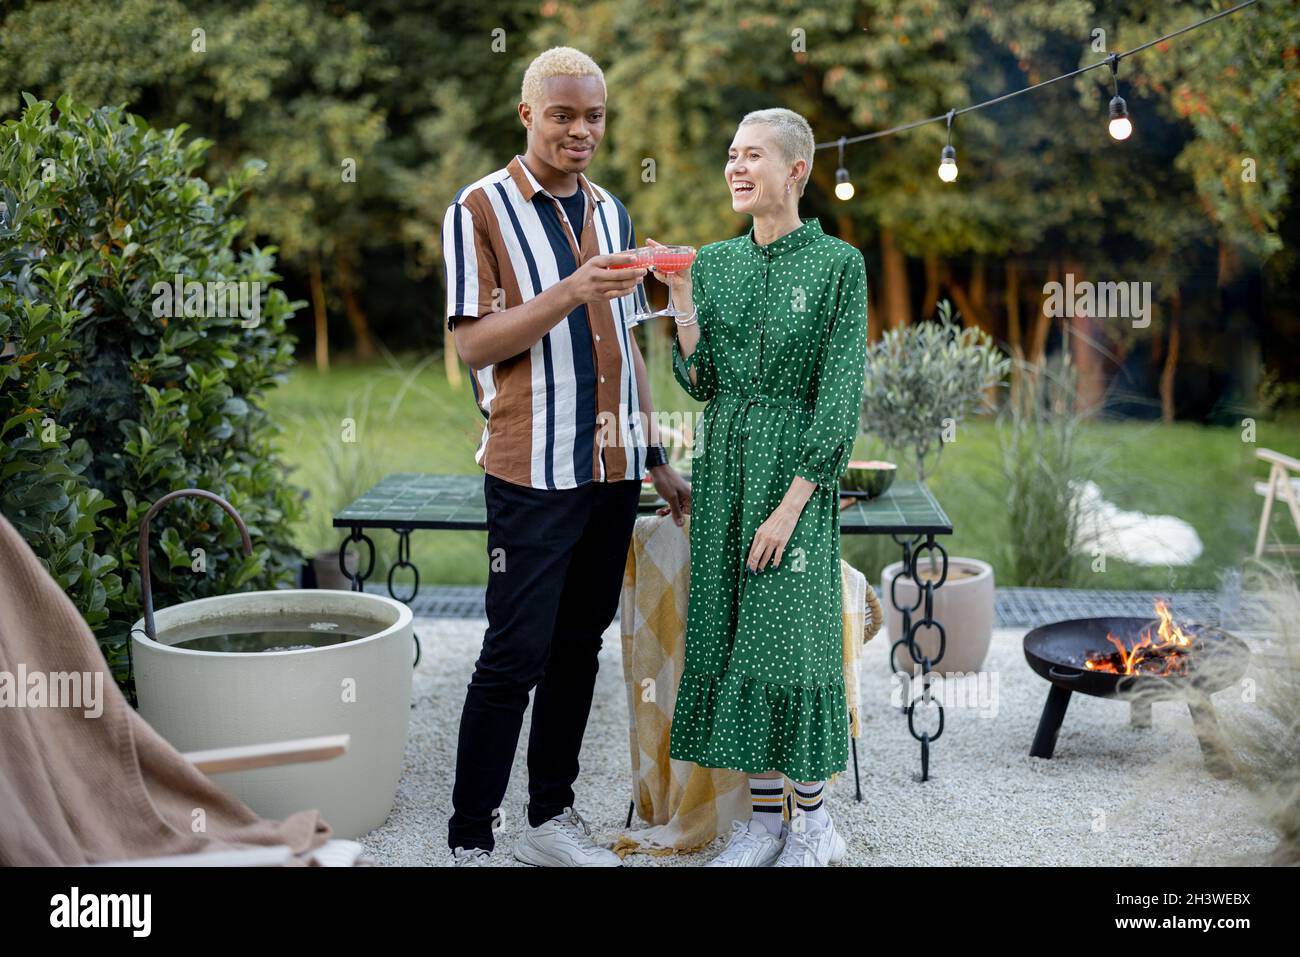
(555, 570)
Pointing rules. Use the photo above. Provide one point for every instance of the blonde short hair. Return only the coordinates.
(557, 61)
(794, 137)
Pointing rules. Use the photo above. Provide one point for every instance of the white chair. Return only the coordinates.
(1283, 482)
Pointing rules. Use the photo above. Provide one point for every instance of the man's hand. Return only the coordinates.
(676, 491)
(771, 538)
(594, 279)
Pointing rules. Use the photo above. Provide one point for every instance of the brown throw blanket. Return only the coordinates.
(91, 782)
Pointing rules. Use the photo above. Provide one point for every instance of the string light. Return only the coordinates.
(843, 188)
(1120, 125)
(948, 158)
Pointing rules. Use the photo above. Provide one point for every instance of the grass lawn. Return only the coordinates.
(408, 418)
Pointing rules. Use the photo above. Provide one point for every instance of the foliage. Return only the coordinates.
(422, 94)
(108, 405)
(1234, 95)
(1262, 741)
(923, 380)
(1273, 395)
(345, 467)
(1038, 435)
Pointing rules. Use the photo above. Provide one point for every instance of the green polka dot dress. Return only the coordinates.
(781, 363)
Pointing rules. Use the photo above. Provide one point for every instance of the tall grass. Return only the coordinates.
(345, 468)
(1264, 740)
(1038, 437)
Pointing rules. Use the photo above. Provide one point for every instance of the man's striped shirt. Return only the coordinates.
(566, 411)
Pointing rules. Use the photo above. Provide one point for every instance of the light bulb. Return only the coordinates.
(843, 188)
(948, 165)
(1120, 126)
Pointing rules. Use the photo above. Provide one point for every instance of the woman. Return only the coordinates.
(774, 340)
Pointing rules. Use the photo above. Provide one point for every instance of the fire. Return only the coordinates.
(1163, 653)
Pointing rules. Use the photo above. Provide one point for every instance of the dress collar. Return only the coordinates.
(810, 231)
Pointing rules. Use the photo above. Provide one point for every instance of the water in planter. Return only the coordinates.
(252, 634)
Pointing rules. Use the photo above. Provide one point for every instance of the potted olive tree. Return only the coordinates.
(923, 380)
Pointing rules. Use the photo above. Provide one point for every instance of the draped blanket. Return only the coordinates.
(687, 806)
(83, 778)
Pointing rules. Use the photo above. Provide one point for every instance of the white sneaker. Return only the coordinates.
(469, 857)
(813, 846)
(564, 841)
(750, 845)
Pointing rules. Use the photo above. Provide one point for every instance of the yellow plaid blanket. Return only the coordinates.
(684, 805)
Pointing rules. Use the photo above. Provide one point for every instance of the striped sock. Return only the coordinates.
(767, 795)
(808, 799)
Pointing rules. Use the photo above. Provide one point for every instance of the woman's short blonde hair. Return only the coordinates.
(794, 137)
(557, 61)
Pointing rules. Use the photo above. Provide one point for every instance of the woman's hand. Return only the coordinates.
(678, 283)
(771, 538)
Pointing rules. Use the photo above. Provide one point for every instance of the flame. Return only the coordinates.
(1164, 653)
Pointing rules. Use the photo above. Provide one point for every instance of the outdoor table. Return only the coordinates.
(908, 512)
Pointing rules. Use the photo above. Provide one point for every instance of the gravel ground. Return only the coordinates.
(1112, 795)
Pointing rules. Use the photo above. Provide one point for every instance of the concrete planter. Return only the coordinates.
(360, 687)
(963, 605)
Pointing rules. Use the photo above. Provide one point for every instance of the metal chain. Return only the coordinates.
(926, 702)
(404, 561)
(904, 572)
(358, 580)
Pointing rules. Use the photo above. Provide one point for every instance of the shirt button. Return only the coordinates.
(602, 378)
(598, 338)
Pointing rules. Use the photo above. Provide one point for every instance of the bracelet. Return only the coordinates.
(690, 320)
(656, 455)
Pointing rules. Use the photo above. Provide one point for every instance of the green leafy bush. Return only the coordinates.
(105, 405)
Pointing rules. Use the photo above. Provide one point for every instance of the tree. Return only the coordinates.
(115, 396)
(246, 76)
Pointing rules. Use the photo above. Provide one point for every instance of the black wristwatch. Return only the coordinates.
(655, 455)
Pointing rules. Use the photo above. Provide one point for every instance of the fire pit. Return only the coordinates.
(1140, 660)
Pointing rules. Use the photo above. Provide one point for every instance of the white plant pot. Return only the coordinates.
(963, 605)
(360, 687)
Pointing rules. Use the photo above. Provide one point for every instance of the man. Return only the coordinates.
(537, 310)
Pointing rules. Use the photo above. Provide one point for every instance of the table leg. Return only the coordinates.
(906, 613)
(404, 561)
(358, 580)
(925, 604)
(857, 779)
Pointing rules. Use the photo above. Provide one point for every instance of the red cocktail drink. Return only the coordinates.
(666, 260)
(671, 259)
(643, 258)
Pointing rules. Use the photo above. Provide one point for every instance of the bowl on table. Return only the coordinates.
(867, 479)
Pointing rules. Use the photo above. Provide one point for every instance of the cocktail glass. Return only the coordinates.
(662, 259)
